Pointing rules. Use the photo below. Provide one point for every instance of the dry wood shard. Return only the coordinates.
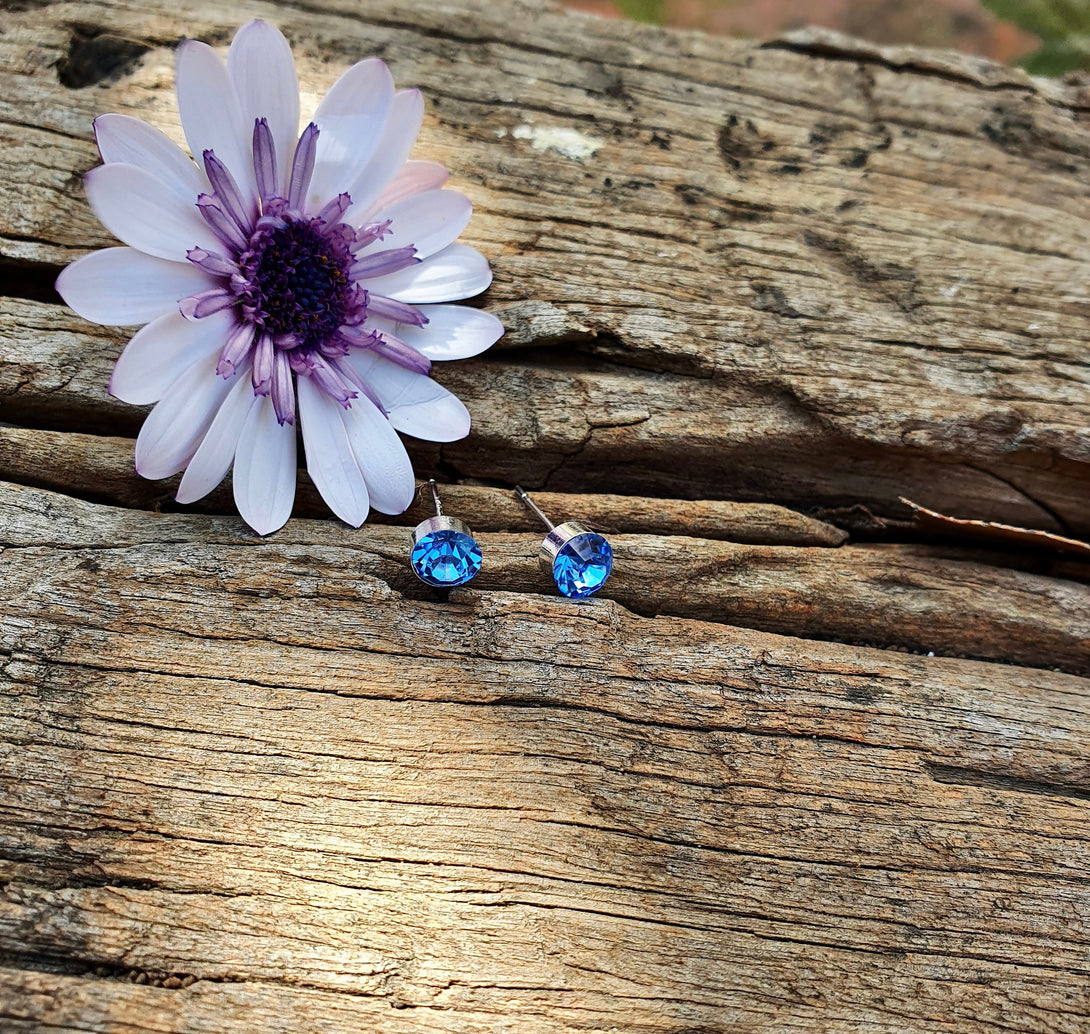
(102, 468)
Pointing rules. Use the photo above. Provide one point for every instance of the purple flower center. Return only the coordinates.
(298, 283)
(293, 282)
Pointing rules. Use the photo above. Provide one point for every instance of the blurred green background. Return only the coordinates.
(1047, 37)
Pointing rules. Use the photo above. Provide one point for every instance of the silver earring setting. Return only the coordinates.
(580, 560)
(445, 553)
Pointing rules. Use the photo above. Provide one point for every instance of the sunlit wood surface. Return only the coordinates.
(797, 769)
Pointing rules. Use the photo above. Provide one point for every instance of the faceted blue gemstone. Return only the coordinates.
(446, 558)
(582, 565)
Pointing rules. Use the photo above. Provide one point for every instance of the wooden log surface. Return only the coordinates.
(776, 778)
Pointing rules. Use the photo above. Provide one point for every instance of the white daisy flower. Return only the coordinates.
(283, 275)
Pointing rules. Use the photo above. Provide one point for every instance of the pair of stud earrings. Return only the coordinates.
(446, 555)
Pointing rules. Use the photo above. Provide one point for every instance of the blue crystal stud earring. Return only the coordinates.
(444, 554)
(578, 559)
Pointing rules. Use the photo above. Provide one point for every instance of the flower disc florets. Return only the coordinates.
(297, 285)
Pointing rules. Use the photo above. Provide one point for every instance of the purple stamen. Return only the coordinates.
(264, 159)
(212, 262)
(399, 352)
(324, 375)
(283, 391)
(223, 226)
(355, 311)
(239, 344)
(286, 342)
(335, 209)
(228, 195)
(263, 365)
(399, 312)
(370, 233)
(205, 303)
(275, 211)
(302, 166)
(383, 262)
(353, 378)
(357, 337)
(335, 347)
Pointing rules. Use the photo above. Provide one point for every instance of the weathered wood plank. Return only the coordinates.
(101, 468)
(852, 256)
(541, 422)
(278, 785)
(909, 597)
(372, 792)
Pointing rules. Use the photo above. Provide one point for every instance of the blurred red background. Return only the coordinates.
(963, 24)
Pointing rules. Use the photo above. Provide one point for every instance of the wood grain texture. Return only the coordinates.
(782, 243)
(469, 808)
(102, 468)
(774, 779)
(910, 597)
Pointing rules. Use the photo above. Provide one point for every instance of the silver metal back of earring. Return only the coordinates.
(556, 539)
(440, 523)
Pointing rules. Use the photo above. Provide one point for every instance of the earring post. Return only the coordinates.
(521, 492)
(435, 496)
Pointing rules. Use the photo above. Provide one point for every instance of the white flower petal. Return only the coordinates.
(351, 120)
(381, 457)
(413, 178)
(160, 353)
(211, 113)
(416, 404)
(452, 331)
(175, 427)
(406, 115)
(263, 71)
(137, 208)
(122, 287)
(264, 474)
(428, 221)
(330, 462)
(122, 138)
(213, 457)
(455, 272)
